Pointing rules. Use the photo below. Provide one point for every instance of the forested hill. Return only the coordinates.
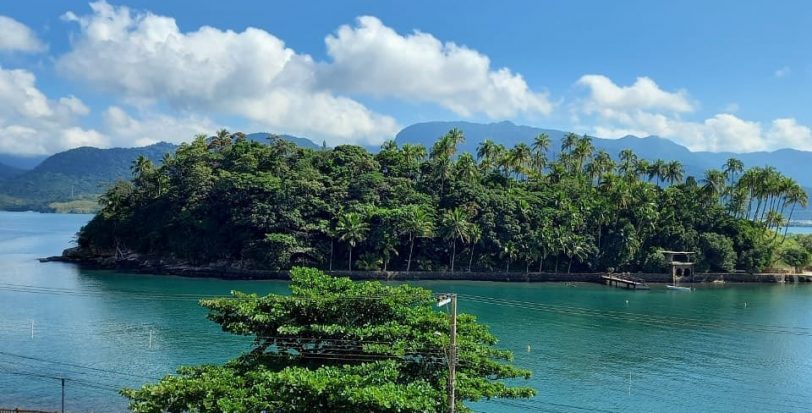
(274, 205)
(790, 162)
(8, 171)
(79, 174)
(71, 181)
(263, 137)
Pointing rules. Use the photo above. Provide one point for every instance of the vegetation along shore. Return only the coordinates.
(230, 203)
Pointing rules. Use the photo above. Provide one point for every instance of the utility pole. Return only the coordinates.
(442, 300)
(63, 395)
(452, 356)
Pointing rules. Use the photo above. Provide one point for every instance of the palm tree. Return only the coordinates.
(351, 229)
(541, 144)
(627, 165)
(583, 149)
(518, 159)
(674, 172)
(733, 166)
(795, 196)
(475, 234)
(489, 154)
(601, 165)
(465, 169)
(220, 140)
(418, 224)
(456, 226)
(713, 183)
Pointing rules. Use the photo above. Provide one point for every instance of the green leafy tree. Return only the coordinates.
(334, 345)
(797, 257)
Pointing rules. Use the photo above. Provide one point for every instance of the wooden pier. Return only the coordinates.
(625, 281)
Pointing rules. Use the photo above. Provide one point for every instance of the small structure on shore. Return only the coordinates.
(682, 265)
(625, 280)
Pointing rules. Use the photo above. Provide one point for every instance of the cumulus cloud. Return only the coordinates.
(644, 109)
(643, 94)
(371, 58)
(18, 37)
(152, 127)
(33, 124)
(146, 59)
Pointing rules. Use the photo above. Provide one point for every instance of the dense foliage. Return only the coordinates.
(276, 205)
(335, 345)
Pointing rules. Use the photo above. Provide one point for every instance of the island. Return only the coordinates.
(231, 207)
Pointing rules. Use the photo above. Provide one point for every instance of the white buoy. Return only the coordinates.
(630, 383)
(627, 302)
(528, 348)
(745, 304)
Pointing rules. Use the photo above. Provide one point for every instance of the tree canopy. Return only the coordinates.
(334, 345)
(275, 205)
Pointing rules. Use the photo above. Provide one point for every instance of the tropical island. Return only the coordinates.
(244, 205)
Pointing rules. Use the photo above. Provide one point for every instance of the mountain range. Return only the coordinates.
(790, 162)
(81, 174)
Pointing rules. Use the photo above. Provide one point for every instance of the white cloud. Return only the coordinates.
(18, 37)
(783, 72)
(371, 58)
(643, 94)
(145, 59)
(787, 132)
(32, 124)
(152, 127)
(617, 111)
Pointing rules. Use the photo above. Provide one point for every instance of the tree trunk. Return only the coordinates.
(541, 262)
(527, 267)
(556, 262)
(331, 254)
(507, 266)
(471, 258)
(569, 267)
(453, 254)
(411, 249)
(786, 228)
(350, 260)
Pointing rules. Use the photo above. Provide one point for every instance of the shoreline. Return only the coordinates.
(134, 263)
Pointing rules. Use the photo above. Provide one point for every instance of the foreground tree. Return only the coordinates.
(335, 345)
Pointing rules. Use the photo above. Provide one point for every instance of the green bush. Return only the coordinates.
(717, 253)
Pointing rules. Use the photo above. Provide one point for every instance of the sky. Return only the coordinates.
(713, 76)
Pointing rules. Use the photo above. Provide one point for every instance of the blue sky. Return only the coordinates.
(720, 75)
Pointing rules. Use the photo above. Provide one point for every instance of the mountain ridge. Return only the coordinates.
(791, 162)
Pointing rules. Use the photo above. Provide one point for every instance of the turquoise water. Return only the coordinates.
(685, 352)
(800, 230)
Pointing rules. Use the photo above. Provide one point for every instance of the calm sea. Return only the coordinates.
(736, 348)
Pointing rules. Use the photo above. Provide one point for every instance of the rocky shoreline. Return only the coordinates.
(141, 264)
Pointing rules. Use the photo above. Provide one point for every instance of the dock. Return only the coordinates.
(625, 281)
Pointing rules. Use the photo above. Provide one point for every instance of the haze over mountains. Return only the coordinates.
(82, 173)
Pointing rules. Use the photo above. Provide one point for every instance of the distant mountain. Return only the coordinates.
(20, 161)
(262, 137)
(76, 174)
(72, 180)
(9, 171)
(791, 162)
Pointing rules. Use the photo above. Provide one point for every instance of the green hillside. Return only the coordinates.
(77, 176)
